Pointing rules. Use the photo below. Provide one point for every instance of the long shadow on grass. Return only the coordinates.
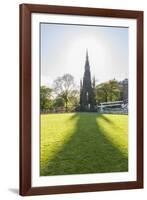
(106, 119)
(88, 150)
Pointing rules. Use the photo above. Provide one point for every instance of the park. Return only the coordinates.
(82, 143)
(83, 130)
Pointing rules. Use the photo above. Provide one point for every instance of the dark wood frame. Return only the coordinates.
(25, 98)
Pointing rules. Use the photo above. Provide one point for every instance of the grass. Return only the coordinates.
(81, 143)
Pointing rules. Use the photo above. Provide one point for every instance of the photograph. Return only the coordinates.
(81, 99)
(84, 104)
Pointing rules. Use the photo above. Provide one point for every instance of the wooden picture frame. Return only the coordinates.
(26, 11)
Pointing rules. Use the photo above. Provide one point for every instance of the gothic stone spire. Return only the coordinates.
(87, 66)
(87, 97)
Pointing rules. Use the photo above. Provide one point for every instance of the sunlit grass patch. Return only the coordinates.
(78, 143)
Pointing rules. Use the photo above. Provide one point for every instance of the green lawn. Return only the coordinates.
(78, 143)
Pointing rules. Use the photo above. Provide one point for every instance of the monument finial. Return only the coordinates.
(86, 53)
(87, 66)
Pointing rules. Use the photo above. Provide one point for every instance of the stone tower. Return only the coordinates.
(87, 89)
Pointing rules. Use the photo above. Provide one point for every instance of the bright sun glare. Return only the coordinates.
(107, 54)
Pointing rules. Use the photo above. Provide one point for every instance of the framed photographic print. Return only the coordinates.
(81, 99)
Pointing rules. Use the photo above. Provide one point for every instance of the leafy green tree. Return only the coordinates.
(74, 97)
(114, 91)
(102, 91)
(45, 98)
(58, 102)
(108, 91)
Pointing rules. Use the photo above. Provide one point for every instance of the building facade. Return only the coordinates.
(123, 86)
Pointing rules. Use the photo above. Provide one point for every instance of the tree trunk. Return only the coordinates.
(66, 106)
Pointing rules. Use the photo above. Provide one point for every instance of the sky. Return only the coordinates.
(63, 50)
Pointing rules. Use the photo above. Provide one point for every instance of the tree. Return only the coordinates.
(64, 86)
(114, 91)
(108, 91)
(58, 102)
(74, 97)
(45, 97)
(102, 91)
